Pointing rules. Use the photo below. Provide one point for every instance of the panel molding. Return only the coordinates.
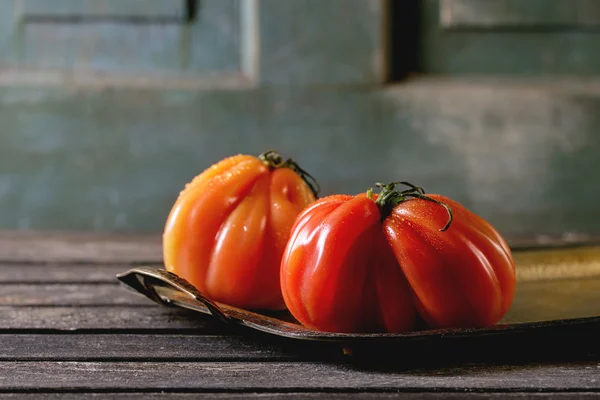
(520, 14)
(98, 80)
(174, 9)
(515, 49)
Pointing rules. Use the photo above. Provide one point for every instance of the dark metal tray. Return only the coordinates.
(558, 290)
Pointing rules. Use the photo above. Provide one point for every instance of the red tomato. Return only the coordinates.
(228, 228)
(372, 263)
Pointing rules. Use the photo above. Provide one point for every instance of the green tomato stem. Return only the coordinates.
(389, 198)
(273, 160)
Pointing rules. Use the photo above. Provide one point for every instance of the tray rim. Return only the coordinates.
(188, 298)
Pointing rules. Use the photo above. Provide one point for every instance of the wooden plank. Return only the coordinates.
(306, 42)
(273, 376)
(494, 14)
(19, 273)
(103, 294)
(514, 151)
(532, 265)
(73, 247)
(534, 301)
(23, 347)
(59, 259)
(151, 318)
(523, 52)
(311, 396)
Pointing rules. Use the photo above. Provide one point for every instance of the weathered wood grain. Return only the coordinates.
(557, 14)
(101, 294)
(104, 318)
(73, 247)
(136, 347)
(534, 300)
(513, 151)
(358, 394)
(273, 376)
(57, 257)
(38, 267)
(19, 273)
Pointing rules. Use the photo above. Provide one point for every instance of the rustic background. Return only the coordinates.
(108, 107)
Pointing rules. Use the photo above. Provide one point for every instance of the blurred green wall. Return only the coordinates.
(107, 108)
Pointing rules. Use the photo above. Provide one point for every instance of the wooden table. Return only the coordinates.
(67, 327)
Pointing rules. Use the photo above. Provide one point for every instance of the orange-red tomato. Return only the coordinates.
(228, 228)
(373, 263)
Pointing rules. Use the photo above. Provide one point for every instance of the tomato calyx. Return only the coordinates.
(389, 198)
(273, 160)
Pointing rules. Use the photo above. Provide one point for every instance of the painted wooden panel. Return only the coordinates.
(141, 37)
(266, 41)
(520, 14)
(522, 154)
(519, 51)
(322, 42)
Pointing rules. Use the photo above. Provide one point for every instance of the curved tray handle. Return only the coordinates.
(170, 290)
(145, 280)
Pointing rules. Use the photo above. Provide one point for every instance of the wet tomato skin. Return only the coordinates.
(338, 273)
(463, 277)
(228, 228)
(347, 269)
